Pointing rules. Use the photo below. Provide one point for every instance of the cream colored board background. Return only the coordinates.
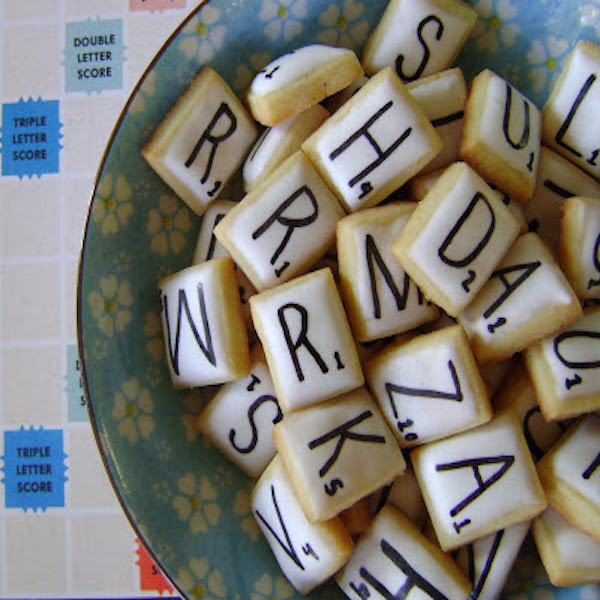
(87, 548)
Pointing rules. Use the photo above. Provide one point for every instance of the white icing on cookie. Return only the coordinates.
(429, 387)
(469, 481)
(308, 553)
(307, 340)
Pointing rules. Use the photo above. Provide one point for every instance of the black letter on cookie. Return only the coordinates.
(301, 338)
(291, 222)
(215, 140)
(426, 51)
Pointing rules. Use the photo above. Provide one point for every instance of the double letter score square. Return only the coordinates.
(374, 143)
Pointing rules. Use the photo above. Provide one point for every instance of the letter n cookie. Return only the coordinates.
(337, 453)
(202, 141)
(308, 553)
(455, 238)
(307, 340)
(479, 481)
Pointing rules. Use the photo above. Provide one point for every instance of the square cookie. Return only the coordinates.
(307, 340)
(239, 418)
(517, 393)
(281, 228)
(480, 481)
(202, 141)
(442, 97)
(429, 387)
(488, 561)
(526, 299)
(308, 553)
(203, 325)
(502, 135)
(570, 474)
(558, 179)
(570, 116)
(297, 80)
(337, 453)
(393, 559)
(455, 238)
(418, 37)
(278, 143)
(374, 143)
(565, 370)
(569, 555)
(579, 246)
(379, 297)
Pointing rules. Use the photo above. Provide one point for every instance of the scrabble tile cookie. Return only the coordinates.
(517, 393)
(569, 117)
(418, 37)
(502, 135)
(379, 297)
(442, 97)
(489, 560)
(357, 518)
(207, 247)
(480, 481)
(278, 143)
(421, 185)
(202, 141)
(404, 493)
(307, 340)
(429, 387)
(565, 369)
(393, 559)
(203, 326)
(308, 553)
(579, 245)
(239, 418)
(375, 143)
(570, 474)
(337, 453)
(266, 232)
(297, 80)
(569, 555)
(526, 299)
(455, 238)
(557, 180)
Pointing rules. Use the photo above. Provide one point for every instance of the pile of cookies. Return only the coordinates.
(401, 308)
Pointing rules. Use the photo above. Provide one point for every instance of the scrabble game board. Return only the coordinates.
(68, 67)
